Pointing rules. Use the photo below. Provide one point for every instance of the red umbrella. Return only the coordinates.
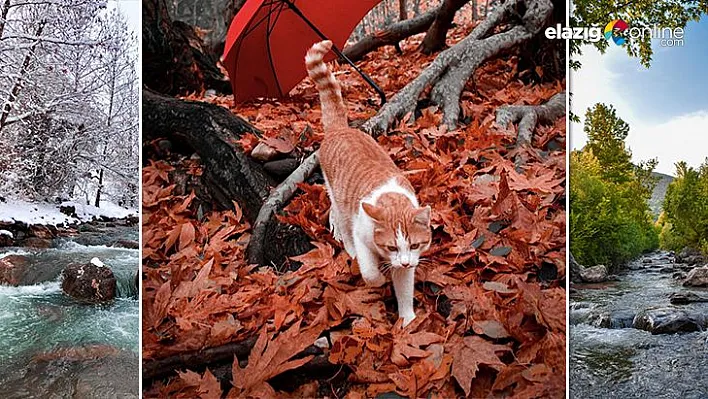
(267, 41)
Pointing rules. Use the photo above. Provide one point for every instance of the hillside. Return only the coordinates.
(657, 197)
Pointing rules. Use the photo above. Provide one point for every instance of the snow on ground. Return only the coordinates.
(107, 209)
(6, 233)
(45, 213)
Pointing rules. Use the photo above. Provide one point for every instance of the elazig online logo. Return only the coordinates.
(618, 31)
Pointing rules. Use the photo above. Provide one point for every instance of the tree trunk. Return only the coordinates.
(543, 60)
(3, 16)
(230, 175)
(97, 203)
(390, 36)
(7, 107)
(435, 38)
(175, 61)
(402, 14)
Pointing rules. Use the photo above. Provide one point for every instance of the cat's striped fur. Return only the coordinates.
(374, 209)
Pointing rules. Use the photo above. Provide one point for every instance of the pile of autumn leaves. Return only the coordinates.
(490, 303)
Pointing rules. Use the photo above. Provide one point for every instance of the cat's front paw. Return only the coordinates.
(407, 318)
(376, 280)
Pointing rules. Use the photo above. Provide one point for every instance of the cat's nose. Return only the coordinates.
(405, 265)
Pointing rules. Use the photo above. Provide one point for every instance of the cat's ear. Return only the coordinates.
(422, 216)
(373, 211)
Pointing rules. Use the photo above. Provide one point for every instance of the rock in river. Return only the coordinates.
(13, 269)
(92, 282)
(93, 371)
(690, 256)
(129, 244)
(684, 298)
(594, 274)
(670, 320)
(697, 277)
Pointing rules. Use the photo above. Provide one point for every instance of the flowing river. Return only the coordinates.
(611, 359)
(52, 346)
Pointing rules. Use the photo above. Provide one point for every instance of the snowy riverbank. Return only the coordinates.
(12, 211)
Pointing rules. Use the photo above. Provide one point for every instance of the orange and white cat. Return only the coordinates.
(374, 211)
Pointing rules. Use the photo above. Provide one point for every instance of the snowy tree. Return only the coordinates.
(69, 96)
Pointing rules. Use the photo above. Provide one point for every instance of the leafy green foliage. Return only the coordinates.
(640, 14)
(684, 222)
(610, 219)
(606, 134)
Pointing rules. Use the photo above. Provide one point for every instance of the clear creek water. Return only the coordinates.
(610, 359)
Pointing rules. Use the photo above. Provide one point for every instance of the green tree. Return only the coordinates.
(610, 218)
(640, 14)
(606, 134)
(685, 219)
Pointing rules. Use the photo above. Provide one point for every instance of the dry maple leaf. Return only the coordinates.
(472, 352)
(271, 356)
(206, 386)
(408, 345)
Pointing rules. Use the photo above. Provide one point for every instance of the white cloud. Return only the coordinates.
(681, 137)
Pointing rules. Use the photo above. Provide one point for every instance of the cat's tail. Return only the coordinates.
(334, 112)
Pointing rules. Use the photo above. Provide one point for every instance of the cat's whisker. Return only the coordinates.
(425, 262)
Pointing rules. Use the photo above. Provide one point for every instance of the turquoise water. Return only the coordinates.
(38, 318)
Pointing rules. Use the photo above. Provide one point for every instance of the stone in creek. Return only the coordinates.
(690, 256)
(623, 318)
(6, 240)
(89, 282)
(42, 231)
(684, 298)
(669, 320)
(130, 244)
(13, 269)
(89, 372)
(36, 242)
(594, 274)
(698, 277)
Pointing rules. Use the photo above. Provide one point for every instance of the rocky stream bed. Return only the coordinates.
(642, 335)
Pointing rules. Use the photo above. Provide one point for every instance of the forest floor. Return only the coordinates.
(490, 303)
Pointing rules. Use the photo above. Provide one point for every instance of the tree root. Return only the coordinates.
(160, 368)
(219, 360)
(451, 69)
(434, 40)
(391, 35)
(528, 116)
(279, 196)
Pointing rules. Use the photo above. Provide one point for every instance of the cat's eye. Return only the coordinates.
(415, 246)
(392, 248)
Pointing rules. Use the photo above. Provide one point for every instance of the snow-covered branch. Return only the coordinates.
(47, 39)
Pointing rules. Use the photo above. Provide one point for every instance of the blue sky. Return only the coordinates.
(666, 105)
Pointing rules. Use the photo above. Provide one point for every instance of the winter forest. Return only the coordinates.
(70, 101)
